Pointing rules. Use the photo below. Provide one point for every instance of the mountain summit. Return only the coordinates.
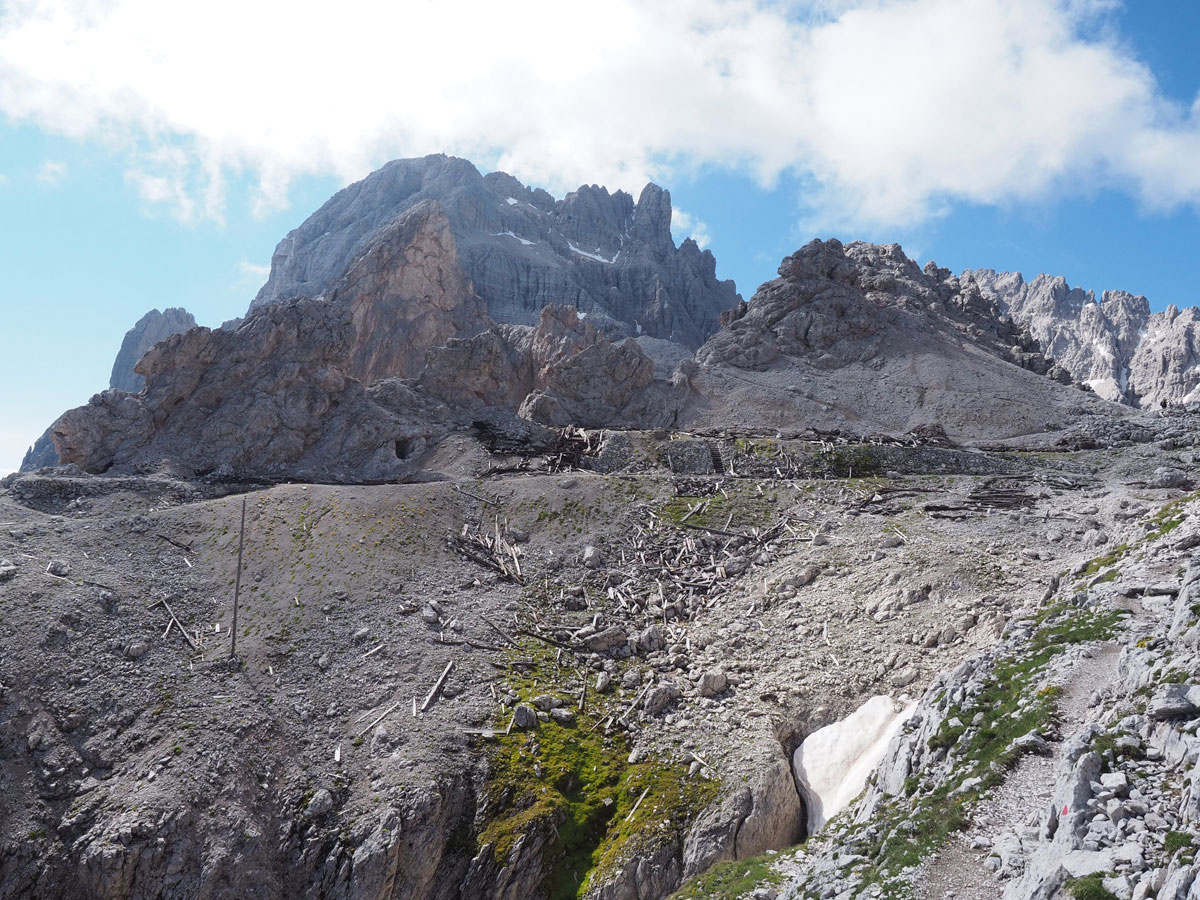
(608, 256)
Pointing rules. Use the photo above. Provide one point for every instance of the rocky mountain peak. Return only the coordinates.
(600, 252)
(1115, 345)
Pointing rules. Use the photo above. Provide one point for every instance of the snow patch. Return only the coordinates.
(511, 201)
(832, 763)
(594, 256)
(511, 235)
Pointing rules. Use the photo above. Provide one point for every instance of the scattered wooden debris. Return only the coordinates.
(491, 549)
(639, 803)
(174, 543)
(174, 620)
(383, 716)
(437, 687)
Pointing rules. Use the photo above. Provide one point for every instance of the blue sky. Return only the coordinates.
(1027, 135)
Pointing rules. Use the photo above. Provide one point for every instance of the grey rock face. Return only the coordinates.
(1115, 345)
(407, 293)
(858, 337)
(602, 253)
(151, 328)
(41, 454)
(271, 397)
(563, 372)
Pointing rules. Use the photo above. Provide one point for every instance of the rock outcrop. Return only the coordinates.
(1116, 345)
(850, 338)
(859, 338)
(272, 397)
(605, 254)
(151, 328)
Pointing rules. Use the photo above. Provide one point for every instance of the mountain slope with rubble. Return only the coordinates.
(612, 647)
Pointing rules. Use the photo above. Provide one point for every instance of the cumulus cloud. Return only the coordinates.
(252, 274)
(891, 109)
(685, 225)
(52, 172)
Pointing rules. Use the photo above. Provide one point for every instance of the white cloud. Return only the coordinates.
(52, 172)
(252, 274)
(685, 225)
(893, 109)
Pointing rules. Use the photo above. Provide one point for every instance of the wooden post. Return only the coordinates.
(237, 583)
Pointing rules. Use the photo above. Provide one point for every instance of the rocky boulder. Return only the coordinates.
(406, 294)
(859, 338)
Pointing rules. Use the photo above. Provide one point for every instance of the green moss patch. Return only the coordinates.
(1089, 887)
(574, 783)
(1169, 517)
(740, 506)
(730, 880)
(1176, 840)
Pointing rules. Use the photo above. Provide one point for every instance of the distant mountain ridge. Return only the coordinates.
(1115, 345)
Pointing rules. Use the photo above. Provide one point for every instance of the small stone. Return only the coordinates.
(59, 568)
(603, 682)
(562, 715)
(1117, 782)
(7, 569)
(608, 639)
(713, 683)
(592, 558)
(361, 635)
(524, 717)
(547, 702)
(660, 698)
(136, 649)
(1172, 701)
(324, 662)
(321, 803)
(429, 614)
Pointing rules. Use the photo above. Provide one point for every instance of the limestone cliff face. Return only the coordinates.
(605, 254)
(406, 294)
(1116, 345)
(563, 372)
(151, 328)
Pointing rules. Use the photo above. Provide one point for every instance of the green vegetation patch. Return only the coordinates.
(848, 461)
(1100, 563)
(739, 506)
(1089, 887)
(1169, 517)
(730, 880)
(1176, 840)
(576, 784)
